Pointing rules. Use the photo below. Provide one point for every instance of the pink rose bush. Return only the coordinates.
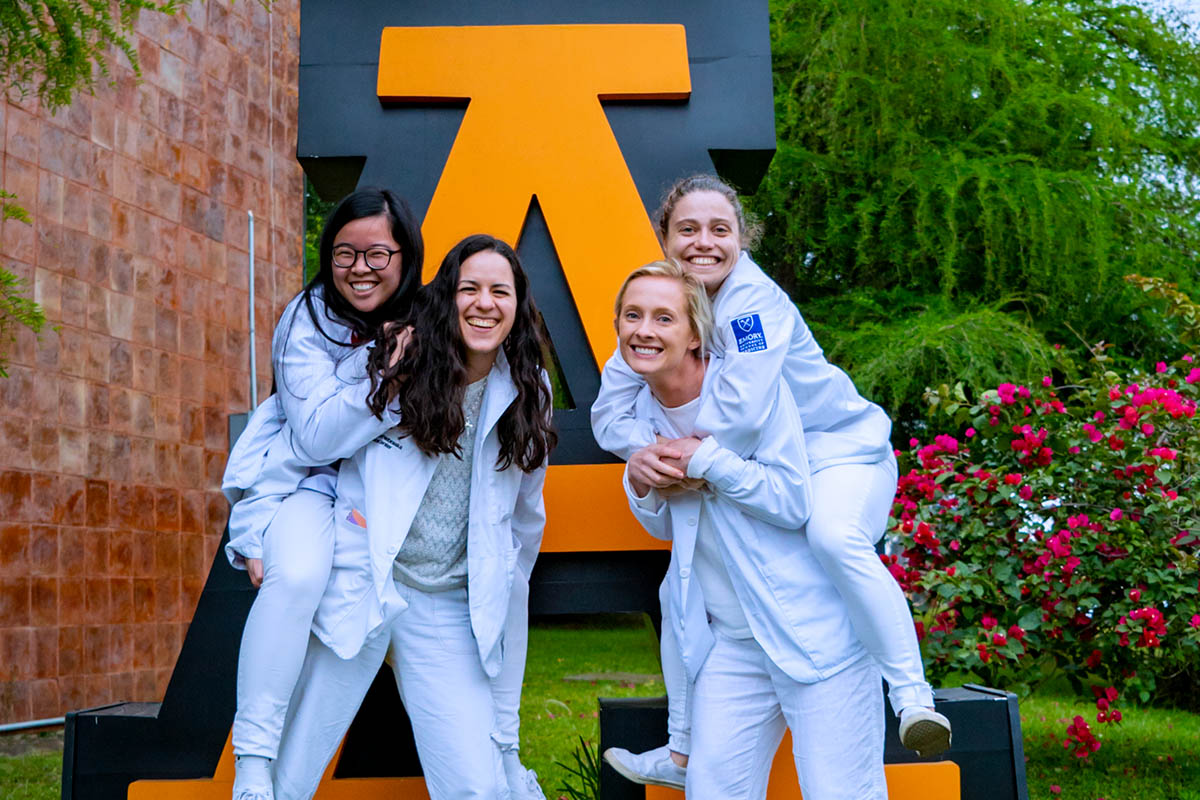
(1057, 537)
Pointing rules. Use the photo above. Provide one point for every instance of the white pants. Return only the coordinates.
(445, 691)
(851, 503)
(297, 558)
(850, 512)
(741, 703)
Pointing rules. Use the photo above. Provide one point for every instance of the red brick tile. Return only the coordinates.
(15, 440)
(145, 321)
(166, 418)
(166, 462)
(45, 700)
(191, 420)
(43, 601)
(141, 411)
(71, 552)
(145, 686)
(100, 451)
(98, 691)
(122, 686)
(166, 554)
(166, 598)
(45, 651)
(144, 599)
(166, 329)
(191, 467)
(120, 361)
(14, 602)
(95, 648)
(142, 468)
(44, 447)
(144, 636)
(216, 514)
(73, 691)
(96, 367)
(120, 649)
(15, 491)
(43, 550)
(95, 553)
(120, 276)
(97, 497)
(72, 401)
(214, 466)
(72, 601)
(191, 512)
(72, 500)
(216, 429)
(121, 609)
(73, 451)
(14, 550)
(15, 702)
(143, 507)
(120, 553)
(189, 595)
(166, 514)
(144, 369)
(191, 331)
(23, 130)
(47, 291)
(214, 386)
(166, 645)
(168, 374)
(16, 654)
(70, 650)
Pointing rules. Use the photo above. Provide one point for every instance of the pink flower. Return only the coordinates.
(1135, 594)
(1147, 428)
(1116, 514)
(1193, 376)
(1055, 789)
(969, 432)
(1047, 381)
(1160, 366)
(988, 622)
(1026, 492)
(914, 442)
(1188, 359)
(1195, 622)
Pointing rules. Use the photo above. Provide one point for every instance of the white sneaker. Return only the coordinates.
(654, 767)
(252, 778)
(522, 783)
(924, 730)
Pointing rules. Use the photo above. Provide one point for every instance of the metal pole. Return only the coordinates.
(33, 724)
(253, 363)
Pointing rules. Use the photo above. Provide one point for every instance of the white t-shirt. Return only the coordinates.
(708, 567)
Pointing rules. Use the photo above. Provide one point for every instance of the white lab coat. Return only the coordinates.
(758, 503)
(504, 532)
(840, 426)
(318, 415)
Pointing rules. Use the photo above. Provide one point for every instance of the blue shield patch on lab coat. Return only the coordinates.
(748, 332)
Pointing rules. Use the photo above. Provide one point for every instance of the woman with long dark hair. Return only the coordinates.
(281, 532)
(437, 523)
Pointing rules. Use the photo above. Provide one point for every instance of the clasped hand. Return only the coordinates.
(663, 466)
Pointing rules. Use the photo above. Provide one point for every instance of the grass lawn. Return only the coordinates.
(1152, 755)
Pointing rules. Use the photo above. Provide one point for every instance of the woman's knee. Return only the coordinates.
(300, 575)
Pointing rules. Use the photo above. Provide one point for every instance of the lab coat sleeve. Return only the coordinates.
(614, 425)
(323, 393)
(773, 484)
(652, 511)
(529, 519)
(739, 400)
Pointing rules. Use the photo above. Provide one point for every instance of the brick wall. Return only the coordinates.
(113, 426)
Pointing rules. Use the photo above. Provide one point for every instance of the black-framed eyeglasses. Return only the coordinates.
(345, 257)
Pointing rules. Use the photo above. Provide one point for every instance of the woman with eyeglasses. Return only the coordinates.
(281, 531)
(282, 474)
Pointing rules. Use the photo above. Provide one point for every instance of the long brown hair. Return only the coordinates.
(430, 379)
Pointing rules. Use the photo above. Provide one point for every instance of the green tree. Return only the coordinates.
(959, 183)
(58, 47)
(52, 49)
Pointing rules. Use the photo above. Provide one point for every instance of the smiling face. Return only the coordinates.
(487, 305)
(702, 235)
(653, 329)
(364, 288)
